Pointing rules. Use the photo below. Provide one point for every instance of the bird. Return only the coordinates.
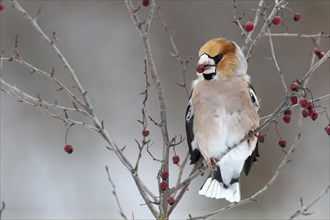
(222, 118)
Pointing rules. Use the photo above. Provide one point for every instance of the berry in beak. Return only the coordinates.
(200, 68)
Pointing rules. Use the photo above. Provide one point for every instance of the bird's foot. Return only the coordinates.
(212, 163)
(253, 132)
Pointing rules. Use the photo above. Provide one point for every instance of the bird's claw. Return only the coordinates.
(212, 163)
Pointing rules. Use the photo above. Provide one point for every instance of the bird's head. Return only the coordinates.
(221, 58)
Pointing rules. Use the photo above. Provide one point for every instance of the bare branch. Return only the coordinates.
(155, 79)
(176, 53)
(114, 192)
(314, 67)
(3, 207)
(47, 75)
(294, 107)
(263, 29)
(183, 186)
(304, 209)
(279, 71)
(255, 23)
(36, 26)
(297, 35)
(36, 100)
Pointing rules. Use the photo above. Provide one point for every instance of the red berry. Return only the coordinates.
(282, 143)
(176, 159)
(309, 105)
(327, 129)
(296, 16)
(163, 186)
(313, 115)
(286, 118)
(317, 51)
(200, 68)
(170, 200)
(2, 7)
(261, 138)
(68, 148)
(305, 113)
(294, 86)
(320, 55)
(276, 20)
(145, 132)
(294, 99)
(249, 26)
(145, 3)
(288, 112)
(164, 175)
(303, 102)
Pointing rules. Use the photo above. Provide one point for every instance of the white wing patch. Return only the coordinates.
(254, 99)
(190, 111)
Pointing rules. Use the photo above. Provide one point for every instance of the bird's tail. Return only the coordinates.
(214, 187)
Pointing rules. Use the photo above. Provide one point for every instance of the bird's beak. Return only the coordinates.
(205, 65)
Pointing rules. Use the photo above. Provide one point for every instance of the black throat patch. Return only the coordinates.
(209, 76)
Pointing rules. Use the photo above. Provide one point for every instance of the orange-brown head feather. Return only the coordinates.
(227, 65)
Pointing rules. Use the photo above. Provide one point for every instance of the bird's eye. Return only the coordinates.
(219, 56)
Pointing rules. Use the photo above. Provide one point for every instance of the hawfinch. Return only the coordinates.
(222, 111)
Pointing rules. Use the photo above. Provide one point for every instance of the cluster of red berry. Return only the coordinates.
(308, 109)
(163, 186)
(249, 26)
(307, 105)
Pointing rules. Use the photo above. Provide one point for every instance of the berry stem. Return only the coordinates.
(67, 132)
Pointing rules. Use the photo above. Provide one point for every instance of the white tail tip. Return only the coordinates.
(215, 189)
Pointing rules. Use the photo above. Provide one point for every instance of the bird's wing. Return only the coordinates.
(253, 157)
(254, 98)
(194, 153)
(250, 160)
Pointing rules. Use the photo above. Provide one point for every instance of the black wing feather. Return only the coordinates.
(194, 153)
(250, 160)
(253, 157)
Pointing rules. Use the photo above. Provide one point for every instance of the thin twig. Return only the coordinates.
(40, 102)
(294, 107)
(279, 71)
(42, 105)
(47, 75)
(51, 42)
(176, 53)
(303, 210)
(255, 23)
(114, 192)
(315, 66)
(3, 207)
(263, 29)
(156, 82)
(297, 35)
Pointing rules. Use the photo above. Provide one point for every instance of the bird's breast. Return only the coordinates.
(219, 120)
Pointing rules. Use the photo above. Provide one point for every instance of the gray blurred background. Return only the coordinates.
(40, 181)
